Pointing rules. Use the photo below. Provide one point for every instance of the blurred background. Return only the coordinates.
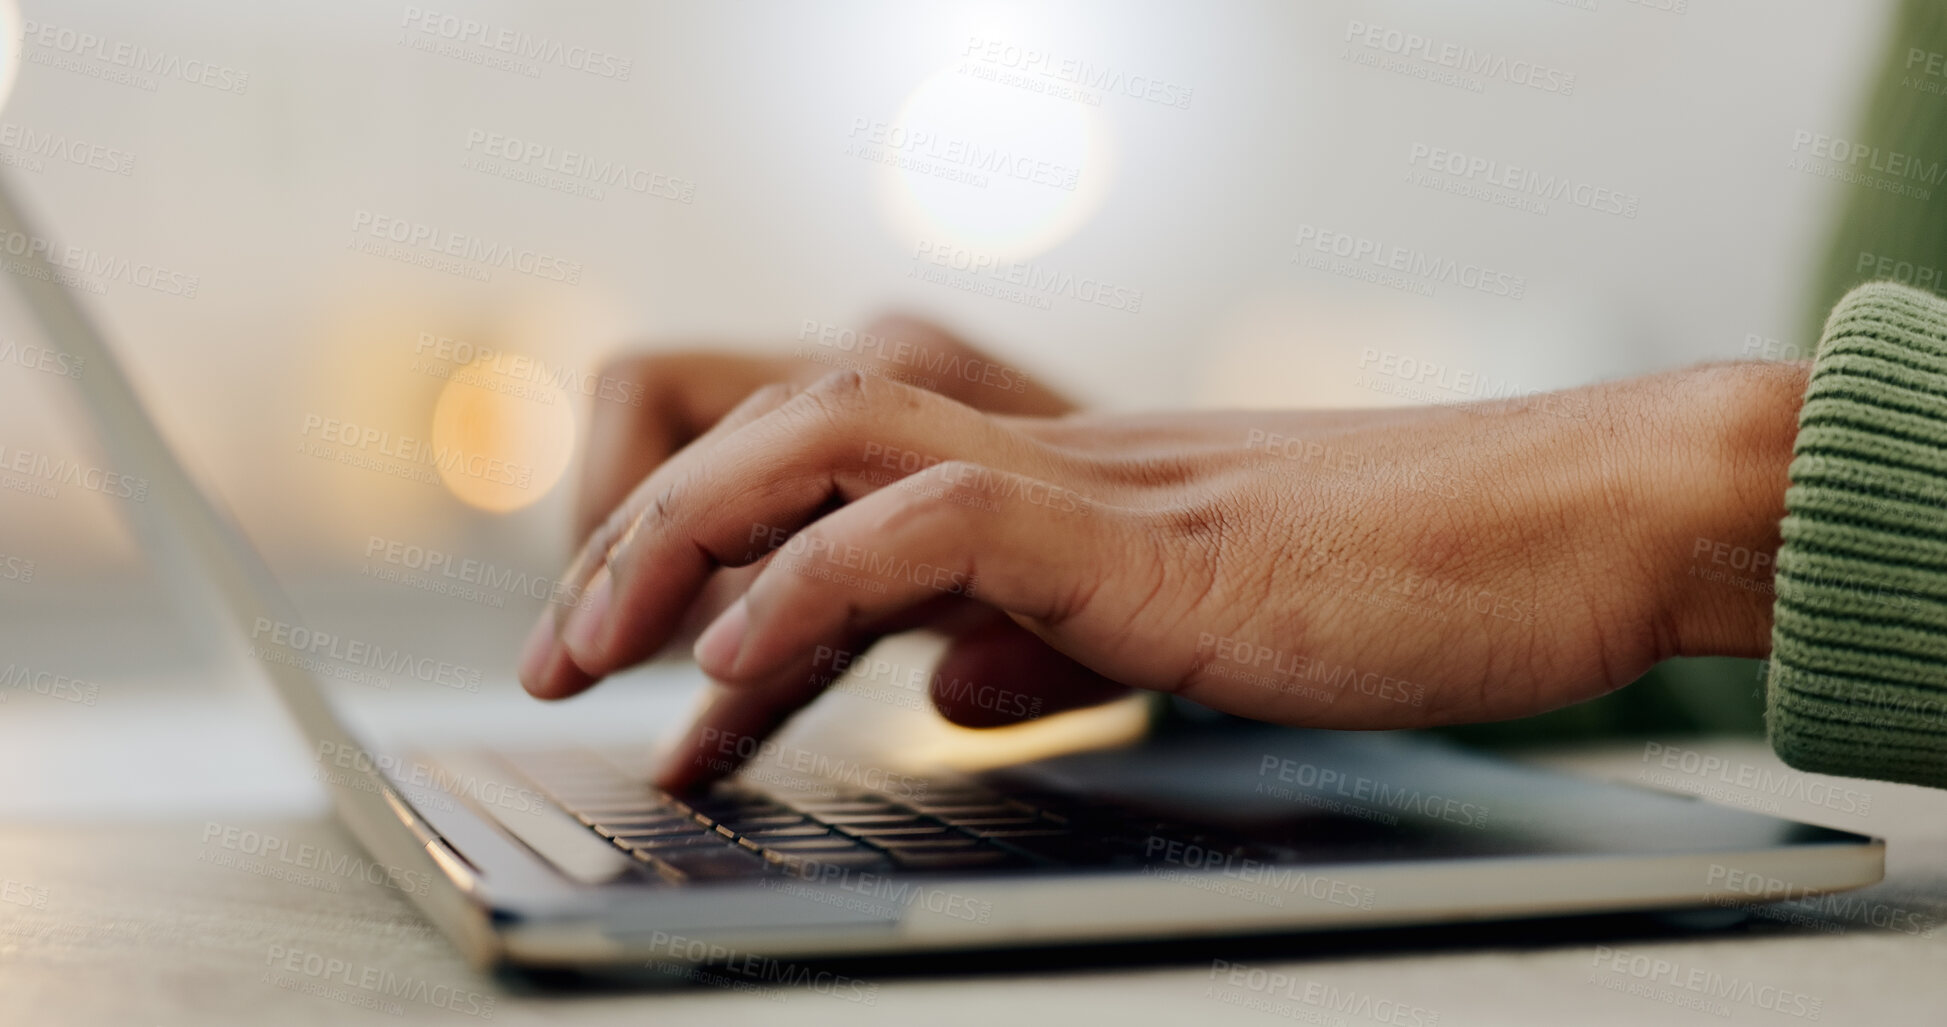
(333, 242)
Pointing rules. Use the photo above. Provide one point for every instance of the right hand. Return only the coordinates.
(685, 393)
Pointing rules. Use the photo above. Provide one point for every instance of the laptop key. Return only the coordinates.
(670, 829)
(873, 831)
(934, 859)
(869, 818)
(629, 821)
(1063, 848)
(829, 843)
(776, 834)
(662, 842)
(805, 864)
(918, 844)
(722, 862)
(749, 825)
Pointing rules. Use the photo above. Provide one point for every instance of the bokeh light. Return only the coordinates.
(504, 437)
(999, 169)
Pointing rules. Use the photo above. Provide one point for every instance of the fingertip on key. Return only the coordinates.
(536, 651)
(588, 622)
(718, 648)
(558, 678)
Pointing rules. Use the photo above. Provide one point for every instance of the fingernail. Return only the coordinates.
(585, 624)
(719, 645)
(536, 650)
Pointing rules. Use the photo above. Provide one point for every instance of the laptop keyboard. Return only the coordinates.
(735, 832)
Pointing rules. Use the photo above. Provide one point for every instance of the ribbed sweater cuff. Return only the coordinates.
(1858, 683)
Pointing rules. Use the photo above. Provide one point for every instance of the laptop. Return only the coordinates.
(1208, 827)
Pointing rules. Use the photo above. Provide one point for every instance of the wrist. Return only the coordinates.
(1719, 465)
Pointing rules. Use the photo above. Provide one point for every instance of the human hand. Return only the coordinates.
(679, 395)
(1379, 569)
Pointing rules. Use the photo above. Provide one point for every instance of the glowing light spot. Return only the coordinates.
(503, 440)
(997, 168)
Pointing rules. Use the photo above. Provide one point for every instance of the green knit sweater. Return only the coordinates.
(1859, 638)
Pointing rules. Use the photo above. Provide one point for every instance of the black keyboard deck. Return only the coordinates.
(735, 832)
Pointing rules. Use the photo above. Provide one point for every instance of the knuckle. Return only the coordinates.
(835, 401)
(764, 399)
(840, 389)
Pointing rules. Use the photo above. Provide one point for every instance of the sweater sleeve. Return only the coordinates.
(1858, 678)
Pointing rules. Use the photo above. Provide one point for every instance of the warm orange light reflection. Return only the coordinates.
(505, 439)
